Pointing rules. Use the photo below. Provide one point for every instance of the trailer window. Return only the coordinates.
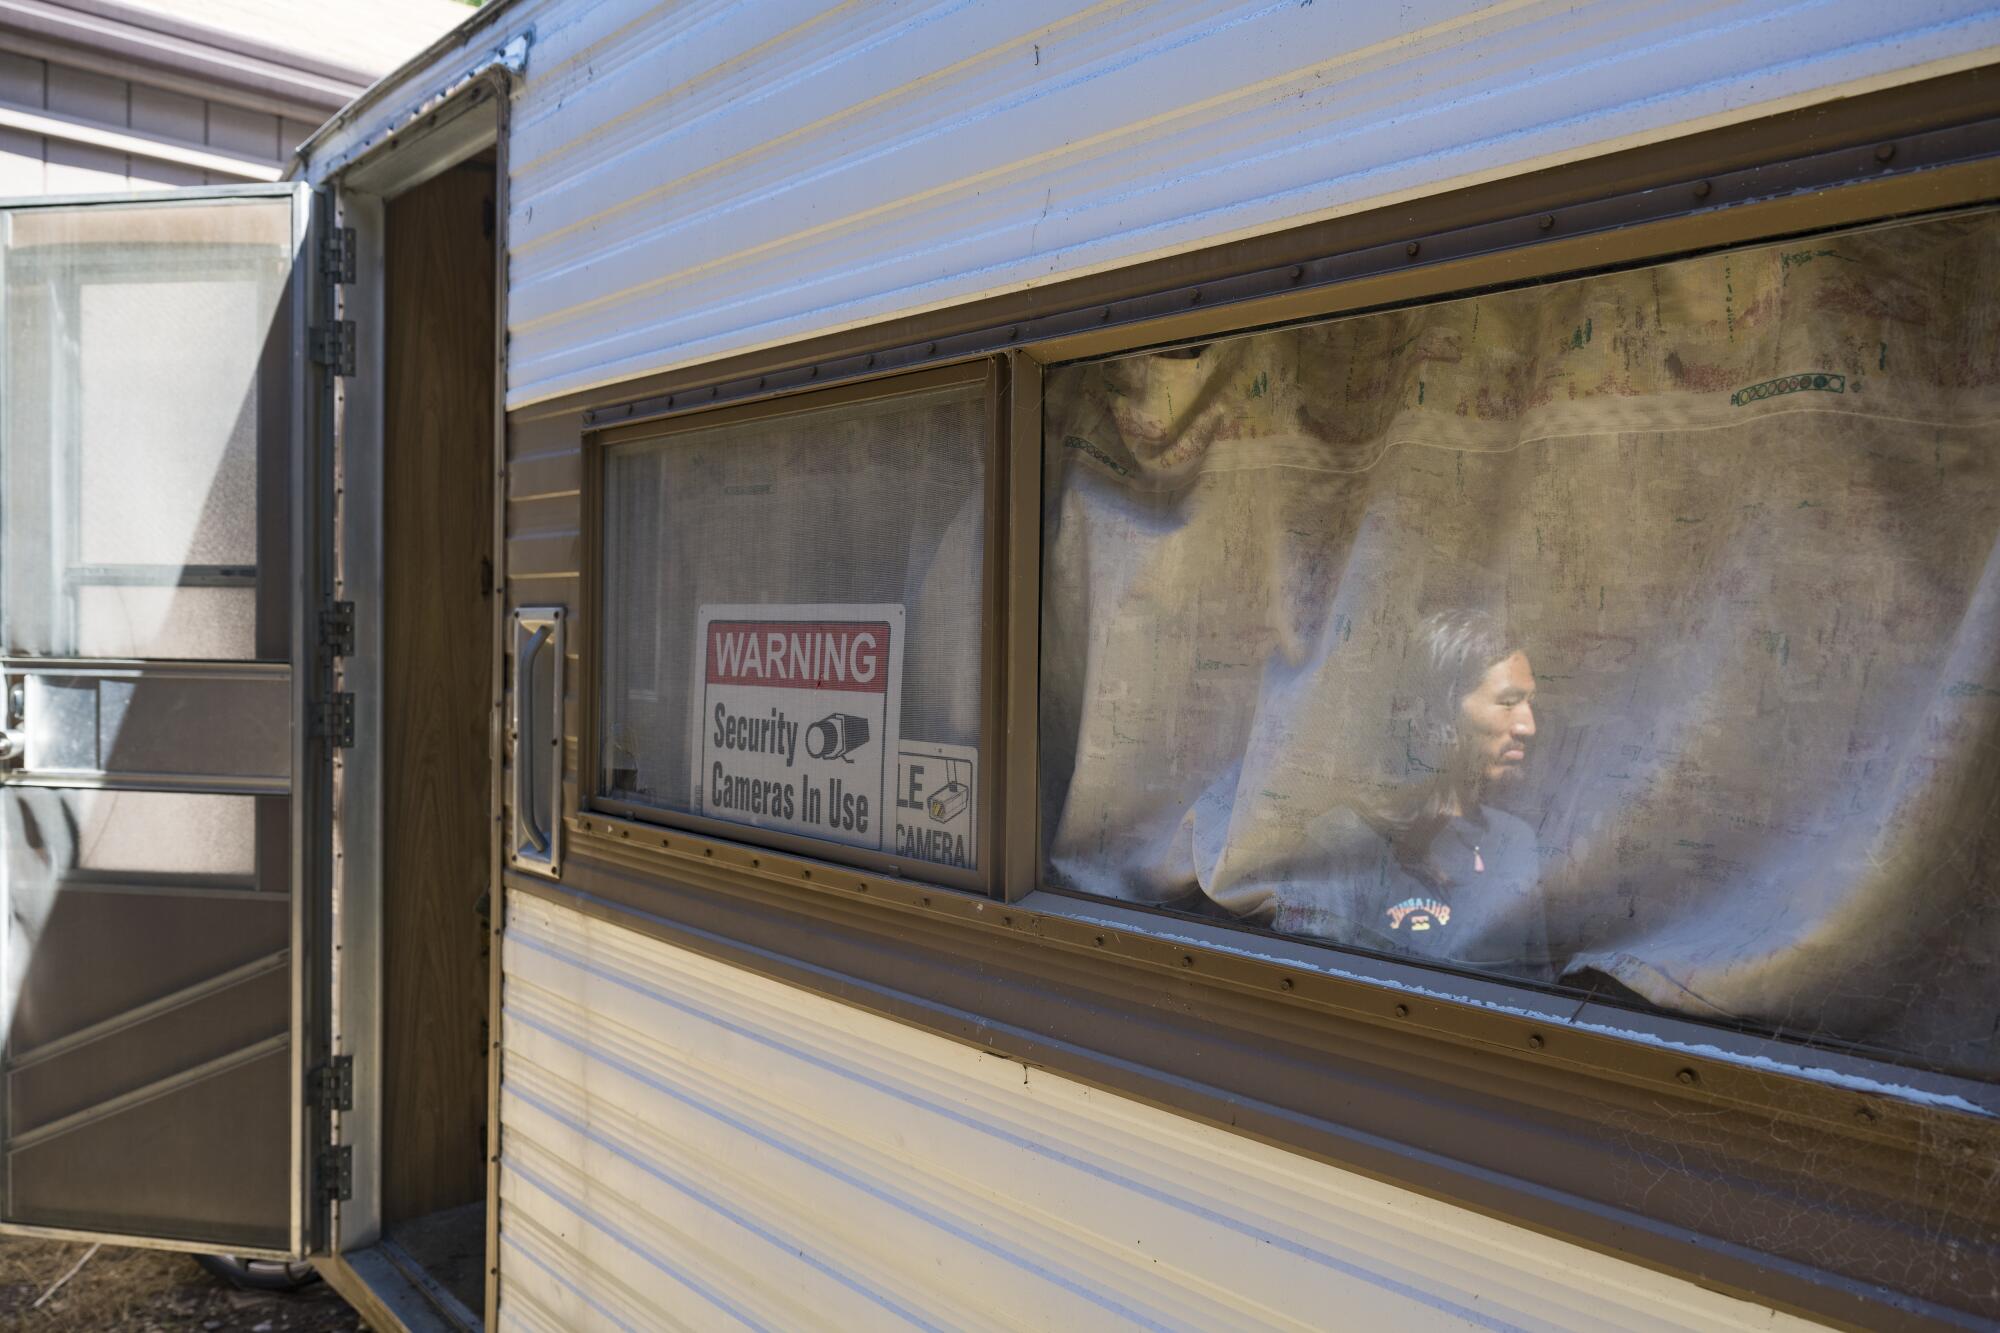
(793, 622)
(1638, 633)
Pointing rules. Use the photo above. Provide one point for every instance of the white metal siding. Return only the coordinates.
(684, 1144)
(701, 178)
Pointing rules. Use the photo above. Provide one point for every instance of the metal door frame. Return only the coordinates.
(459, 121)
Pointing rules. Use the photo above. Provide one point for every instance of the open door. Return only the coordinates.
(161, 798)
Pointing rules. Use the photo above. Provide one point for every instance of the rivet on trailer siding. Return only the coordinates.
(930, 350)
(1412, 248)
(1688, 1077)
(1535, 1041)
(1100, 941)
(1194, 297)
(1702, 189)
(760, 381)
(1864, 1115)
(1104, 316)
(1298, 272)
(1286, 983)
(1187, 960)
(670, 400)
(1402, 1011)
(1548, 221)
(869, 363)
(1885, 152)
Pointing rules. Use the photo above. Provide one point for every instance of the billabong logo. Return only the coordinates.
(1420, 913)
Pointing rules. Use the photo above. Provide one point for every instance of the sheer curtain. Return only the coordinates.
(1739, 512)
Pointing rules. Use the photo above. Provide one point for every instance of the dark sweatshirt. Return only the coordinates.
(1485, 914)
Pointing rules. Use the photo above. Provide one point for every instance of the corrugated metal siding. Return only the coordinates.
(696, 179)
(684, 1144)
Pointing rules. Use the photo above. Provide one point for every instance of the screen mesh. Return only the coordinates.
(1639, 632)
(135, 341)
(853, 534)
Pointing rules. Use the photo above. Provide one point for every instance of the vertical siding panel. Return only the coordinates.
(84, 168)
(236, 130)
(22, 171)
(76, 92)
(22, 80)
(292, 133)
(172, 116)
(22, 156)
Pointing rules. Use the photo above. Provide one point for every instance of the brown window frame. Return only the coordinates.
(988, 373)
(1666, 1141)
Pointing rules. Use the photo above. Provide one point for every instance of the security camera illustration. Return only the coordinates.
(836, 736)
(949, 801)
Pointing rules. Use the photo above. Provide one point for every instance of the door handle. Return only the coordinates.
(536, 719)
(528, 755)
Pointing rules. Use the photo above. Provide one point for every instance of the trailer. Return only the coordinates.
(1217, 664)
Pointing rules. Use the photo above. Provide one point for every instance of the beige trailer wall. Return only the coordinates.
(686, 1144)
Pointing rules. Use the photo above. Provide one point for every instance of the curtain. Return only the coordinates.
(1736, 513)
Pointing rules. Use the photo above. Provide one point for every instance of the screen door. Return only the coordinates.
(150, 433)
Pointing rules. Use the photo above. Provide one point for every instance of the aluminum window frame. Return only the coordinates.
(1714, 1053)
(593, 645)
(1804, 1048)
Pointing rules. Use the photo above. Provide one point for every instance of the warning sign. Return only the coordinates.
(798, 714)
(937, 803)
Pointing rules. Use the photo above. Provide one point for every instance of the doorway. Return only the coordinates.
(438, 836)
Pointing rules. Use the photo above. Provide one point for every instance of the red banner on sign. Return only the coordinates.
(800, 654)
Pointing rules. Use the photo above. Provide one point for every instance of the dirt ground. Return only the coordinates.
(141, 1291)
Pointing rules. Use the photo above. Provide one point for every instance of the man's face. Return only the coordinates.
(1497, 719)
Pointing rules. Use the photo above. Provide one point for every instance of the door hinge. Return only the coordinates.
(336, 630)
(331, 1086)
(334, 1172)
(333, 346)
(336, 255)
(334, 720)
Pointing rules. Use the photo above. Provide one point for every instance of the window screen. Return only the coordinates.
(792, 609)
(1639, 633)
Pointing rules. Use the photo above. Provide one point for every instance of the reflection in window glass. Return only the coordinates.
(792, 623)
(1639, 633)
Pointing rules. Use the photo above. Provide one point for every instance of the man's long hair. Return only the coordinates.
(1451, 654)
